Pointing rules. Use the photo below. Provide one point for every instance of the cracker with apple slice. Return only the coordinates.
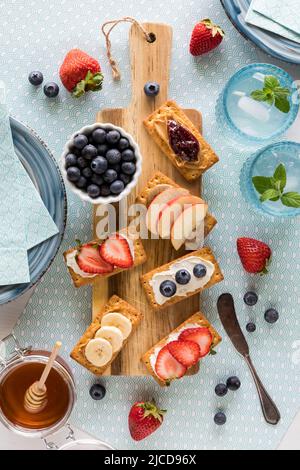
(166, 216)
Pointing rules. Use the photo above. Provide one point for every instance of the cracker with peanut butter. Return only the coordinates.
(180, 140)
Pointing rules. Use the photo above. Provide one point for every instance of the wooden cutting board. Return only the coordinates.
(149, 62)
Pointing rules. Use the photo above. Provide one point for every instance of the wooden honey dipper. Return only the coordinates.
(35, 398)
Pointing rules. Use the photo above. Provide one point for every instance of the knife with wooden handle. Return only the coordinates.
(231, 325)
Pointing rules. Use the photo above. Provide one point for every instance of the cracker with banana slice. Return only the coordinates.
(106, 336)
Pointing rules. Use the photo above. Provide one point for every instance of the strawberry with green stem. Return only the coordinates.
(80, 73)
(206, 36)
(144, 419)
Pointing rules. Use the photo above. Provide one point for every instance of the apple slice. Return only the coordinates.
(159, 188)
(158, 203)
(173, 210)
(188, 220)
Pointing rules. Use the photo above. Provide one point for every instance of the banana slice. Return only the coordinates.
(98, 352)
(119, 321)
(111, 334)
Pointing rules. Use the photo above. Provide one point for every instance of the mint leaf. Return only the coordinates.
(258, 95)
(280, 176)
(282, 91)
(291, 199)
(262, 183)
(271, 82)
(269, 194)
(282, 103)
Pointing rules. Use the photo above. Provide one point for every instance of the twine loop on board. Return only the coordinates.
(149, 37)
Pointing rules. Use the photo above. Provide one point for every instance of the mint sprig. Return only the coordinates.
(271, 188)
(273, 94)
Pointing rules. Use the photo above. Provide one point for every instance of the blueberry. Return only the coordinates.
(128, 155)
(99, 136)
(168, 288)
(233, 383)
(51, 89)
(97, 179)
(102, 149)
(250, 298)
(151, 89)
(36, 78)
(221, 390)
(93, 191)
(81, 183)
(99, 165)
(125, 178)
(97, 392)
(80, 141)
(113, 156)
(117, 187)
(73, 173)
(128, 168)
(199, 270)
(82, 162)
(123, 144)
(271, 315)
(110, 175)
(105, 190)
(87, 172)
(113, 137)
(250, 327)
(89, 152)
(71, 160)
(220, 418)
(182, 277)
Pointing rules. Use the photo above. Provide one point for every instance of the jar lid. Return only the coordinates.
(86, 444)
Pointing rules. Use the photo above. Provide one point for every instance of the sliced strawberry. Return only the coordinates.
(90, 261)
(116, 251)
(185, 352)
(201, 336)
(166, 366)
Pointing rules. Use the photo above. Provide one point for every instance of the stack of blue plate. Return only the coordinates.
(45, 174)
(275, 45)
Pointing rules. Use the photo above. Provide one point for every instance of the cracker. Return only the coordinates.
(159, 178)
(190, 171)
(197, 318)
(204, 253)
(115, 304)
(78, 281)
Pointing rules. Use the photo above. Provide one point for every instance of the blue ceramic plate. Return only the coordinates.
(45, 174)
(275, 45)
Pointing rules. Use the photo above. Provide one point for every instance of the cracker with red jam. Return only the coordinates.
(180, 140)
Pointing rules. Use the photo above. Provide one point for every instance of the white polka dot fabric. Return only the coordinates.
(37, 35)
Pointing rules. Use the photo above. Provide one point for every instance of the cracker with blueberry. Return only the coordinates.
(181, 278)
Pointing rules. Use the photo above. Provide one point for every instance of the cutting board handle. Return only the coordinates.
(150, 61)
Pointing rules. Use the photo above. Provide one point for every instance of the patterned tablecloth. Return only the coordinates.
(36, 35)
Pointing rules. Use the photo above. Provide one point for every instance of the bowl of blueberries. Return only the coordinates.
(101, 163)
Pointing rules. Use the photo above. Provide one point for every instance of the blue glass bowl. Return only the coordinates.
(263, 163)
(43, 170)
(249, 121)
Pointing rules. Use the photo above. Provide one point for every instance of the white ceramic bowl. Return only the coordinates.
(109, 199)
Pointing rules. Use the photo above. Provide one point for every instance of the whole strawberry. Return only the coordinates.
(206, 36)
(144, 418)
(80, 73)
(254, 254)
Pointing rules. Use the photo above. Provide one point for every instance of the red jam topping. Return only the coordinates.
(182, 141)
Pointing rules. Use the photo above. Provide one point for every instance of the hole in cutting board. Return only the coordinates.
(151, 38)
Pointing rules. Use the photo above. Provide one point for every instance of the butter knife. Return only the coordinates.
(231, 325)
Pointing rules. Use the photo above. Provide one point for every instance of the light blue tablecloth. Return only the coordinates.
(37, 35)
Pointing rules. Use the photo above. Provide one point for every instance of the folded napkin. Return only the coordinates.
(258, 19)
(25, 221)
(285, 13)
